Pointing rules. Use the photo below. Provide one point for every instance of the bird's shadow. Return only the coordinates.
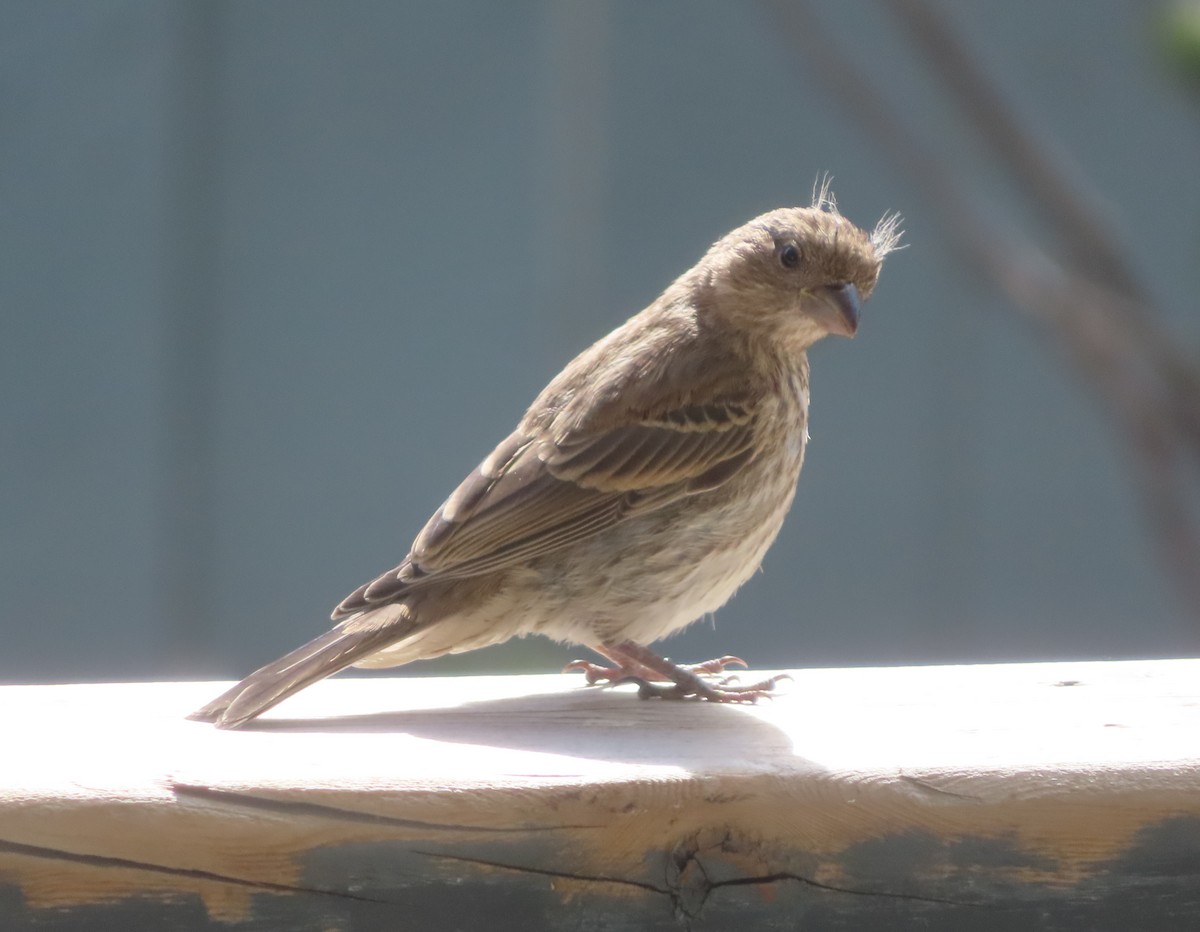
(581, 722)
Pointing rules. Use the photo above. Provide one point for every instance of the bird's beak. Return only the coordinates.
(838, 308)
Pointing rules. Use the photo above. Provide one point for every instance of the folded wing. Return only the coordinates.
(536, 494)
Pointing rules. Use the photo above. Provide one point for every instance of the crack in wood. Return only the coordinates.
(545, 871)
(673, 893)
(97, 860)
(697, 891)
(926, 787)
(832, 888)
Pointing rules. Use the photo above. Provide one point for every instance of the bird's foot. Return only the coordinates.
(723, 692)
(629, 670)
(659, 678)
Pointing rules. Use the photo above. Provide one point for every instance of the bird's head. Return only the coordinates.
(795, 274)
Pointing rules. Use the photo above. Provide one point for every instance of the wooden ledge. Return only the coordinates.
(1023, 796)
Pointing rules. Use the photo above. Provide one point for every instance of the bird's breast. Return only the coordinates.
(658, 572)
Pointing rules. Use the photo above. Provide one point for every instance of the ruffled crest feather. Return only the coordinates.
(887, 233)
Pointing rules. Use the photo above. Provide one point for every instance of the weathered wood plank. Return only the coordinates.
(1049, 796)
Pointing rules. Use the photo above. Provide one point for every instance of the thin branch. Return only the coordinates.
(1108, 327)
(1086, 234)
(1084, 231)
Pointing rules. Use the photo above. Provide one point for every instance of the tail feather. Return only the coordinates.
(323, 656)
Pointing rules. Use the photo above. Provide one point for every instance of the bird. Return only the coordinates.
(639, 491)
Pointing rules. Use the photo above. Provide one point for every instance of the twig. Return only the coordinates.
(1083, 230)
(1086, 234)
(1096, 311)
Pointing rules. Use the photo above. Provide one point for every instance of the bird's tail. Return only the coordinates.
(336, 649)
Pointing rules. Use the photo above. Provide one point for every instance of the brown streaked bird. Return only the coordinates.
(642, 487)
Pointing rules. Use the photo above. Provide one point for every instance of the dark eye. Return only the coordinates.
(789, 255)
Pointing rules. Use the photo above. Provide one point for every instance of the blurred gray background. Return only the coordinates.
(276, 275)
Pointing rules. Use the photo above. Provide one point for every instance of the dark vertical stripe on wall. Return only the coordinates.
(192, 333)
(574, 189)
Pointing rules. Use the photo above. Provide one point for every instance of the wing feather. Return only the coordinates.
(537, 494)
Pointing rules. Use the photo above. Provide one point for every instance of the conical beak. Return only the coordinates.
(841, 302)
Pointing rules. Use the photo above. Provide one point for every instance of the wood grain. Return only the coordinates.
(1062, 795)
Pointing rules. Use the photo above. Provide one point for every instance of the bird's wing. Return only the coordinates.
(536, 494)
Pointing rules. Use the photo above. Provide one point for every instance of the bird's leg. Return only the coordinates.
(632, 661)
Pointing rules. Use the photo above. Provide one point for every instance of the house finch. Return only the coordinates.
(642, 487)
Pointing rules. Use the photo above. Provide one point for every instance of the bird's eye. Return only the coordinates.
(789, 255)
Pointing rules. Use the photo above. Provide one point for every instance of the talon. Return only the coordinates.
(716, 665)
(593, 673)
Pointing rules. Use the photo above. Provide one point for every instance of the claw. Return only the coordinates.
(718, 666)
(594, 673)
